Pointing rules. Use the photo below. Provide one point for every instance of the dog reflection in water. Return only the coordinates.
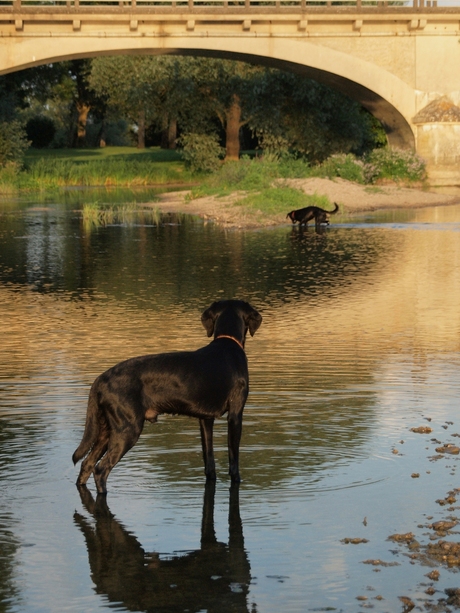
(214, 578)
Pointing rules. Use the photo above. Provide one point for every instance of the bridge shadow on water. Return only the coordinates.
(213, 578)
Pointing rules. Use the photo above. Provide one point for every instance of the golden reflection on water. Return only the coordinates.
(409, 303)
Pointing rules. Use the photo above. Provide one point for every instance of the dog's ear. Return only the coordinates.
(253, 321)
(209, 317)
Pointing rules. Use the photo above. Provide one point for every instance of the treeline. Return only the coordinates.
(210, 108)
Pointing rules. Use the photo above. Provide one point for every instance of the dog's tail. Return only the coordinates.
(91, 427)
(336, 208)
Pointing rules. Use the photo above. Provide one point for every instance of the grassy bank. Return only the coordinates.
(259, 182)
(48, 169)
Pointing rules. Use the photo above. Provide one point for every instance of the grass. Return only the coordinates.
(261, 181)
(95, 215)
(277, 200)
(249, 175)
(49, 169)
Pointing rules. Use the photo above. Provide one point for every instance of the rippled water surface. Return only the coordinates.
(359, 344)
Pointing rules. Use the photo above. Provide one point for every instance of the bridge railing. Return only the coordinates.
(262, 5)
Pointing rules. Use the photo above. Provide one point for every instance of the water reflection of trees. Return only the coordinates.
(215, 577)
(8, 524)
(182, 262)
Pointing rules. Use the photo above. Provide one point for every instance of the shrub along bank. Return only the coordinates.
(259, 178)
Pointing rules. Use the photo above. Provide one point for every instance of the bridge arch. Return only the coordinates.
(382, 93)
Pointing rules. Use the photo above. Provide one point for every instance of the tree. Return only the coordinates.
(85, 98)
(13, 138)
(226, 88)
(296, 114)
(60, 92)
(147, 89)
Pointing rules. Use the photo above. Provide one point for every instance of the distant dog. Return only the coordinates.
(303, 216)
(205, 384)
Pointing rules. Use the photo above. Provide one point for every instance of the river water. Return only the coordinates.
(359, 345)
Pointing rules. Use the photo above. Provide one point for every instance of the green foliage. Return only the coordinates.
(394, 164)
(345, 166)
(109, 166)
(40, 131)
(201, 152)
(130, 167)
(13, 143)
(277, 200)
(382, 163)
(274, 146)
(9, 179)
(291, 113)
(251, 174)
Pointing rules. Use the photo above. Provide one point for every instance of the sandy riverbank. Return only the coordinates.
(352, 198)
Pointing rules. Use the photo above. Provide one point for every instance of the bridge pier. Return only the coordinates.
(438, 140)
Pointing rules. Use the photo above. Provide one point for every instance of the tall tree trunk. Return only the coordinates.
(169, 134)
(83, 110)
(141, 130)
(101, 135)
(233, 125)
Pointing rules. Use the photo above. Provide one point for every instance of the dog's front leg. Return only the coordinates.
(235, 427)
(206, 429)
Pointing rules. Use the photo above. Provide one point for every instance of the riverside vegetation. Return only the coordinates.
(258, 180)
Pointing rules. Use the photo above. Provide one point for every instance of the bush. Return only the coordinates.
(201, 152)
(383, 163)
(274, 146)
(394, 164)
(251, 174)
(13, 143)
(40, 131)
(343, 165)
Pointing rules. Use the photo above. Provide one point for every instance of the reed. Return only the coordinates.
(95, 215)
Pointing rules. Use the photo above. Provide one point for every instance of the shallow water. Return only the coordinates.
(359, 344)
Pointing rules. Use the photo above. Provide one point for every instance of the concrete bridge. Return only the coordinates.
(400, 61)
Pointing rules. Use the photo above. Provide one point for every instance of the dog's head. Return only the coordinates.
(291, 216)
(232, 318)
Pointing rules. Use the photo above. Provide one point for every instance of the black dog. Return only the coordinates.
(205, 384)
(303, 216)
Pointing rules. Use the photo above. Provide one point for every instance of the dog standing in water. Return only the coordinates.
(303, 216)
(205, 384)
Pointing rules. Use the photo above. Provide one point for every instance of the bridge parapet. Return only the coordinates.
(262, 6)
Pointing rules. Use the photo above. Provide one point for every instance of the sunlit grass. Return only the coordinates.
(110, 166)
(249, 175)
(95, 215)
(279, 200)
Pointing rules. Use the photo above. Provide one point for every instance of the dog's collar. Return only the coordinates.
(231, 337)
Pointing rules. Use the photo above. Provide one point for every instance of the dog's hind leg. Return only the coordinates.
(120, 442)
(96, 453)
(206, 430)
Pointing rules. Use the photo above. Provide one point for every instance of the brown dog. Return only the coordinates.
(303, 216)
(205, 384)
